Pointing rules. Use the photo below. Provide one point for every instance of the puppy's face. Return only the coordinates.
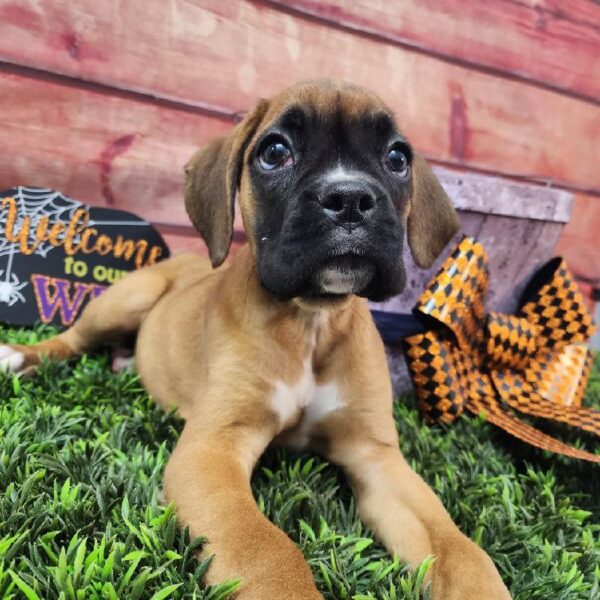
(327, 186)
(330, 177)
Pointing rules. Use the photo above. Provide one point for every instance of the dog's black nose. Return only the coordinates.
(348, 202)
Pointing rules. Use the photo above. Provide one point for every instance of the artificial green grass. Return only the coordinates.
(81, 458)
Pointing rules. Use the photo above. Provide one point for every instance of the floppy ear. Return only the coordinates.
(212, 177)
(432, 221)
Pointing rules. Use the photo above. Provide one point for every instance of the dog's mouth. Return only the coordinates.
(333, 271)
(343, 275)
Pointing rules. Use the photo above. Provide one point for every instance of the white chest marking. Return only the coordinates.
(317, 402)
(326, 399)
(287, 401)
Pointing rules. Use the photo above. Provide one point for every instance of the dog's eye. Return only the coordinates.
(275, 155)
(397, 161)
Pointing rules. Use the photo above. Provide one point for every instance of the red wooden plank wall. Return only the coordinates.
(107, 100)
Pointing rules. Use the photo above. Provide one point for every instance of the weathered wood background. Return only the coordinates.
(107, 100)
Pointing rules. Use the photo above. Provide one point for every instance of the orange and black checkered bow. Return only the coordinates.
(535, 361)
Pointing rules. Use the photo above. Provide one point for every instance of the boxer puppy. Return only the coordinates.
(278, 345)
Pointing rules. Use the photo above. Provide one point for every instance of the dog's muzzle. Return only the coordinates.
(349, 203)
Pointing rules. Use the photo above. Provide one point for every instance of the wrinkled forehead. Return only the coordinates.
(326, 104)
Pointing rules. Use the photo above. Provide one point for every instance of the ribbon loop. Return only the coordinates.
(557, 307)
(535, 361)
(453, 297)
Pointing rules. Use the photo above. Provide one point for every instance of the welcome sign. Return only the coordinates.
(56, 254)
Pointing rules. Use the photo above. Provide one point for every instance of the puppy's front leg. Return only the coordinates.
(208, 478)
(359, 434)
(404, 512)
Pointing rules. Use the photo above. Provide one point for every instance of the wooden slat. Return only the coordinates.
(503, 197)
(100, 149)
(179, 244)
(193, 243)
(551, 43)
(225, 55)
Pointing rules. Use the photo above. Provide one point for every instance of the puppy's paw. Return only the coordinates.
(11, 359)
(122, 358)
(464, 571)
(18, 359)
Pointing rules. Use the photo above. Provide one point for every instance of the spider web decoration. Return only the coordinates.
(34, 203)
(19, 296)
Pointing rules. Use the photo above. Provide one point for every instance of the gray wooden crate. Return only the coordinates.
(518, 225)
